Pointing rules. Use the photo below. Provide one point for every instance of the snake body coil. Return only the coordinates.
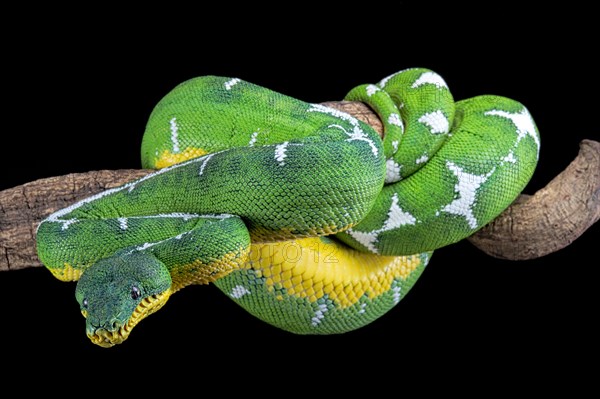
(298, 212)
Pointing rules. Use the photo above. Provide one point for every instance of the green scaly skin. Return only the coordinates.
(247, 172)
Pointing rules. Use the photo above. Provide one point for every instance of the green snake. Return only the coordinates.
(298, 212)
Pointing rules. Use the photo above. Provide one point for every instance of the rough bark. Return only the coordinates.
(23, 207)
(532, 227)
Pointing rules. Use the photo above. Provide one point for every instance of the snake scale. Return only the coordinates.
(300, 213)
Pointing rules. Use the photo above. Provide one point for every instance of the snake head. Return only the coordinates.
(117, 292)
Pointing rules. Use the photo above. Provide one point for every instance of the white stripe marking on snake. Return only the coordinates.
(362, 308)
(207, 158)
(372, 89)
(384, 81)
(252, 139)
(361, 136)
(510, 158)
(280, 154)
(423, 158)
(392, 171)
(319, 314)
(396, 218)
(239, 291)
(394, 119)
(55, 217)
(123, 223)
(184, 216)
(430, 78)
(230, 83)
(174, 132)
(396, 293)
(523, 122)
(67, 223)
(333, 112)
(356, 134)
(147, 245)
(466, 188)
(437, 122)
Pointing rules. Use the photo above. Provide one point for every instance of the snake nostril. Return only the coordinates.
(115, 325)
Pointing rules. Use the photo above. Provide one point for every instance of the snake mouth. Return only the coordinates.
(108, 338)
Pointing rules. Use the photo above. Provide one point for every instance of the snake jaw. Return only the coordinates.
(108, 338)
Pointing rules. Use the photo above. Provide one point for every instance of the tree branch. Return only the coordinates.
(552, 218)
(23, 207)
(531, 227)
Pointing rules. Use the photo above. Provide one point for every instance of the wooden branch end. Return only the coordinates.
(553, 217)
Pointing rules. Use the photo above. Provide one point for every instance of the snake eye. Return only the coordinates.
(84, 303)
(135, 292)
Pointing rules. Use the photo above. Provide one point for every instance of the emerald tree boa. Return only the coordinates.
(298, 212)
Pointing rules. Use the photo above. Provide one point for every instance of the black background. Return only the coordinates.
(79, 95)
